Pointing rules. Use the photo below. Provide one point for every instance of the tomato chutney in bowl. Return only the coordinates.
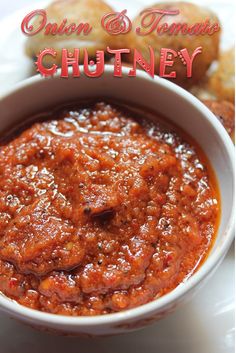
(109, 211)
(102, 211)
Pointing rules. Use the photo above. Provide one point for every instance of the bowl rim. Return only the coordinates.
(10, 306)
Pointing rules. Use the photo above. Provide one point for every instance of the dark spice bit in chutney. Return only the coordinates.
(101, 212)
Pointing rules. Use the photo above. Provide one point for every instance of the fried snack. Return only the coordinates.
(222, 81)
(189, 14)
(201, 90)
(225, 112)
(75, 11)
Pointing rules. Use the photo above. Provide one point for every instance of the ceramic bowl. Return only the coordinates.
(38, 94)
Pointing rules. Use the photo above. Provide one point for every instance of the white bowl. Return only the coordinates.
(38, 94)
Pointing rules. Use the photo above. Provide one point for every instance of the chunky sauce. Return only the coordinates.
(100, 212)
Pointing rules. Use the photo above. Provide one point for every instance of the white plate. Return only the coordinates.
(204, 325)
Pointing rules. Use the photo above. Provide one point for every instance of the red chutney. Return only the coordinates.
(100, 212)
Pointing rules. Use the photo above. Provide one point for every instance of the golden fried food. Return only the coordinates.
(225, 112)
(77, 12)
(222, 81)
(201, 90)
(189, 14)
